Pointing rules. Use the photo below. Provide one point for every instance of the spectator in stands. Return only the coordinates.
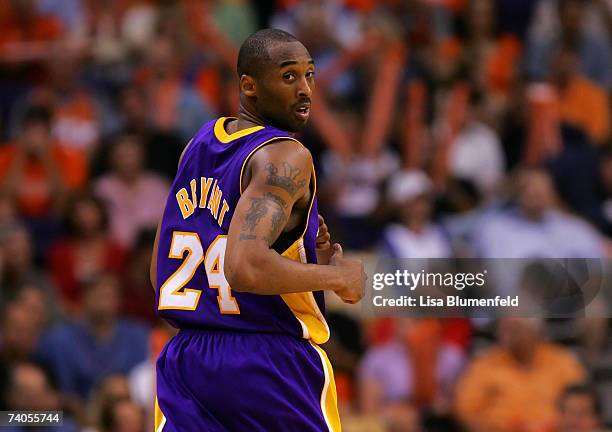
(415, 236)
(109, 390)
(581, 102)
(163, 147)
(42, 310)
(579, 410)
(30, 390)
(140, 303)
(179, 107)
(19, 335)
(79, 115)
(476, 152)
(23, 26)
(118, 30)
(83, 351)
(582, 192)
(134, 197)
(124, 416)
(517, 382)
(461, 213)
(489, 57)
(594, 58)
(85, 251)
(36, 171)
(70, 13)
(535, 227)
(417, 364)
(19, 271)
(353, 181)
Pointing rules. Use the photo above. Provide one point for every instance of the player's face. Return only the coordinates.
(284, 90)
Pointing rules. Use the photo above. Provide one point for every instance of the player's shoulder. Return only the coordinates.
(284, 155)
(286, 158)
(284, 149)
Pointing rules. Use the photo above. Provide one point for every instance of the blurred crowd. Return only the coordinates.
(440, 128)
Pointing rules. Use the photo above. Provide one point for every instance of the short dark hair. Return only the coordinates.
(253, 54)
(97, 279)
(36, 115)
(74, 200)
(582, 389)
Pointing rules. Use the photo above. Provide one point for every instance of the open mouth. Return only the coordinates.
(302, 111)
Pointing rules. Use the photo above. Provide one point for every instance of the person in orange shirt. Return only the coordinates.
(79, 116)
(515, 385)
(483, 53)
(25, 31)
(37, 173)
(178, 106)
(581, 102)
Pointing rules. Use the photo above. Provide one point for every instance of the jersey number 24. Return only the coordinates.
(173, 295)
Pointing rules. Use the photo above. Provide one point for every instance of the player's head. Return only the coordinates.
(276, 75)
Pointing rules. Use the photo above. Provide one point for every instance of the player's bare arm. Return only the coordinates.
(278, 179)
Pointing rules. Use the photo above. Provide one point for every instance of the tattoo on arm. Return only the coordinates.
(259, 208)
(288, 180)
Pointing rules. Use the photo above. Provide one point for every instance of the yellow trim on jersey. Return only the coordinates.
(160, 418)
(303, 304)
(329, 397)
(224, 137)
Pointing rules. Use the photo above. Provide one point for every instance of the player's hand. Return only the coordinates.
(323, 237)
(353, 274)
(323, 246)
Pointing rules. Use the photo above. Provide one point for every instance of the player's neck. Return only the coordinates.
(247, 118)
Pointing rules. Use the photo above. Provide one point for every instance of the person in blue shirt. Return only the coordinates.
(81, 352)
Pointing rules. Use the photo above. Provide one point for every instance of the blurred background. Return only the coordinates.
(440, 128)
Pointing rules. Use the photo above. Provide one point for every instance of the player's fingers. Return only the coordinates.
(323, 238)
(337, 250)
(322, 229)
(323, 246)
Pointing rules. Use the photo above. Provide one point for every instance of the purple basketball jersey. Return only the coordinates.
(192, 291)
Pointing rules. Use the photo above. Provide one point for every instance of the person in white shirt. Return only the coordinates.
(415, 235)
(535, 227)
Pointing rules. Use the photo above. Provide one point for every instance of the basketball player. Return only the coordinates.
(235, 263)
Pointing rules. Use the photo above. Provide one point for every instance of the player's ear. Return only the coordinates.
(247, 85)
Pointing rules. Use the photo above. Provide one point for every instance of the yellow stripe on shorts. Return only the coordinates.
(329, 398)
(160, 419)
